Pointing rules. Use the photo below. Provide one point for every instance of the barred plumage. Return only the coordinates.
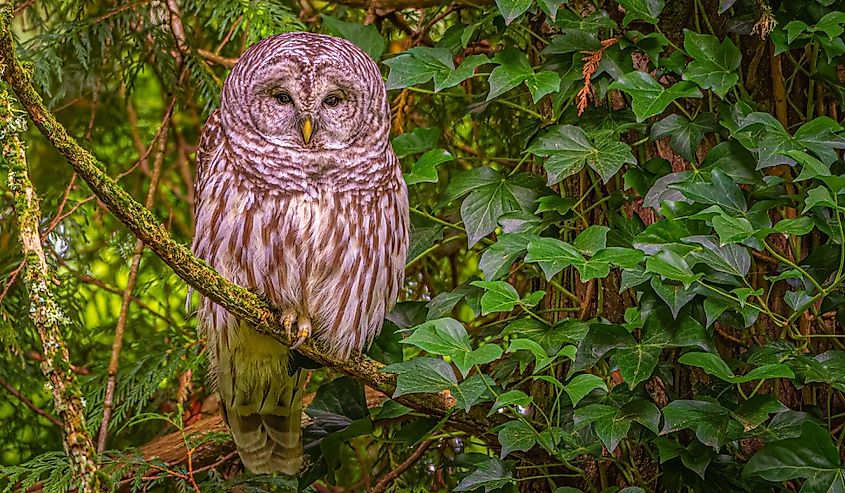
(318, 225)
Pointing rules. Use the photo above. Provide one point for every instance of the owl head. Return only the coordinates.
(307, 92)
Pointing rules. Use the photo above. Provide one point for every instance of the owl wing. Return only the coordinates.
(260, 400)
(210, 144)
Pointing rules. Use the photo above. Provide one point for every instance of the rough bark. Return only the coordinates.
(46, 315)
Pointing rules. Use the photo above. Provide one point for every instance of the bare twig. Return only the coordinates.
(28, 403)
(388, 478)
(108, 401)
(219, 60)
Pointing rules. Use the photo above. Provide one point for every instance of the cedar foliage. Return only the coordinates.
(627, 246)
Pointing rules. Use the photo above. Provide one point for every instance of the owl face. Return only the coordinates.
(307, 92)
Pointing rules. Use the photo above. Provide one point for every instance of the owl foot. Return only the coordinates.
(303, 330)
(288, 318)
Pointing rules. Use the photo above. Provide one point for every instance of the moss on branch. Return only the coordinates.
(47, 317)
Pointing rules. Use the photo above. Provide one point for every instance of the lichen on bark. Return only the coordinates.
(45, 313)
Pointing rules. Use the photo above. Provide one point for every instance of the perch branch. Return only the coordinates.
(47, 317)
(236, 300)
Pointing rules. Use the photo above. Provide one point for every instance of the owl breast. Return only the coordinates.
(336, 256)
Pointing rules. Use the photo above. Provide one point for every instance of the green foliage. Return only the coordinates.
(627, 246)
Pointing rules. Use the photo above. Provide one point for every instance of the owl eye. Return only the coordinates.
(283, 98)
(332, 101)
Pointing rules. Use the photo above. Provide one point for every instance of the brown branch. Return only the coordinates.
(178, 30)
(28, 403)
(117, 344)
(388, 478)
(79, 370)
(46, 315)
(217, 59)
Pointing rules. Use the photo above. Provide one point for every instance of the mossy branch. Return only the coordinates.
(46, 315)
(237, 300)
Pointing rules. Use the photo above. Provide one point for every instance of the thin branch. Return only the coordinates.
(47, 317)
(117, 344)
(28, 403)
(388, 478)
(217, 59)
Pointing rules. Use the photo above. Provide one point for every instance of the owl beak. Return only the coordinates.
(307, 128)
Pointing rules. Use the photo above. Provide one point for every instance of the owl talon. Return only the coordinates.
(288, 316)
(303, 325)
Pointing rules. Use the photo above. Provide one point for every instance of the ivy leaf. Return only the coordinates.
(719, 190)
(422, 375)
(644, 10)
(511, 9)
(730, 259)
(553, 255)
(714, 64)
(818, 135)
(649, 96)
(462, 73)
(443, 336)
(612, 424)
(425, 169)
(448, 337)
(712, 364)
(467, 181)
(471, 391)
(483, 207)
(637, 361)
(365, 37)
(675, 296)
(420, 140)
(418, 66)
(606, 422)
(541, 359)
(819, 196)
(753, 412)
(581, 385)
(591, 240)
(670, 265)
(568, 148)
(516, 436)
(491, 475)
(711, 422)
(684, 134)
(732, 229)
(499, 296)
(510, 398)
(813, 456)
(626, 258)
(514, 69)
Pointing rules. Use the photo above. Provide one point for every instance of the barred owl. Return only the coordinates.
(300, 198)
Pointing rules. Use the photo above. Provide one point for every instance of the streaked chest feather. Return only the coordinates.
(337, 257)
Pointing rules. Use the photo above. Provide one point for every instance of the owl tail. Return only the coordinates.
(261, 402)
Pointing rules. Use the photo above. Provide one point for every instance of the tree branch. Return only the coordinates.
(117, 344)
(235, 299)
(28, 402)
(388, 478)
(45, 313)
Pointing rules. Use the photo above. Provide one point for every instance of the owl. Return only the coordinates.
(300, 198)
